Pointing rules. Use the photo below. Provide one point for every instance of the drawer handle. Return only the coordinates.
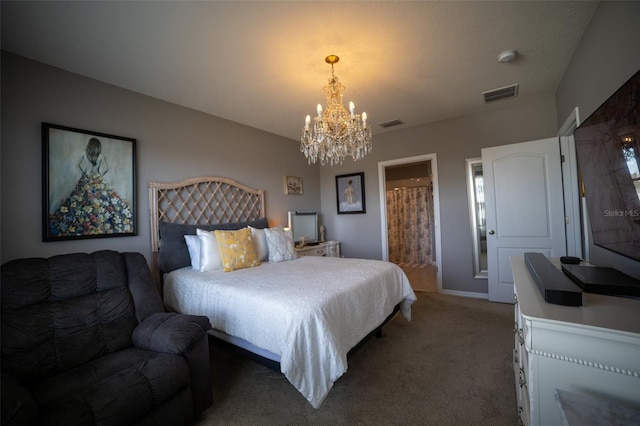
(522, 378)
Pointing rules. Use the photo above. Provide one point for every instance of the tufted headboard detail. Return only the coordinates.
(201, 201)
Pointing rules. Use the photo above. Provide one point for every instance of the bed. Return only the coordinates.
(303, 314)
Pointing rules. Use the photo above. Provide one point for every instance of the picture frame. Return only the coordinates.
(293, 185)
(88, 184)
(350, 194)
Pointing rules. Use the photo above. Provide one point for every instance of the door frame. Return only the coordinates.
(436, 205)
(570, 180)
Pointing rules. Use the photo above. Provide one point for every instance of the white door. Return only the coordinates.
(524, 207)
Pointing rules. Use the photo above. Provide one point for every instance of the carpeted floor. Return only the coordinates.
(451, 365)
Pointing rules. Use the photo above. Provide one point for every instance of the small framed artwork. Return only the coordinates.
(350, 193)
(88, 184)
(293, 185)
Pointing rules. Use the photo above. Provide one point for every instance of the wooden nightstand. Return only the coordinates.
(326, 249)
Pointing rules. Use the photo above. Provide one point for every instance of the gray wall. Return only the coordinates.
(608, 55)
(173, 143)
(452, 141)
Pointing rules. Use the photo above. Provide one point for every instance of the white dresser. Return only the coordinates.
(591, 350)
(326, 248)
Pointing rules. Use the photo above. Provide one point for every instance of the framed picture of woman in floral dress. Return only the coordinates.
(89, 184)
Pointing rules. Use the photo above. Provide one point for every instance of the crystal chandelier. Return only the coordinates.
(336, 133)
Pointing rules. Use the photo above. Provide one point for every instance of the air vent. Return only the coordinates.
(502, 93)
(391, 123)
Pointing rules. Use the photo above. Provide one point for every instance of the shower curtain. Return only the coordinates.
(410, 223)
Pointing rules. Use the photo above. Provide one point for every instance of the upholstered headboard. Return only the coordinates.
(201, 201)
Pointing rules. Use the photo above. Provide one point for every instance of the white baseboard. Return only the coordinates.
(465, 294)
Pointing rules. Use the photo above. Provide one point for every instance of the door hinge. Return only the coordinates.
(562, 158)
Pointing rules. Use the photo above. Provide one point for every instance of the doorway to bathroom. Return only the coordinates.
(409, 207)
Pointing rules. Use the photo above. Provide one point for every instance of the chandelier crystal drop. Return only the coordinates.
(335, 133)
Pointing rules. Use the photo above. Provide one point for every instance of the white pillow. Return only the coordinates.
(260, 241)
(193, 244)
(280, 244)
(210, 258)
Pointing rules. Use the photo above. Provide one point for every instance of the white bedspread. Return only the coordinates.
(310, 311)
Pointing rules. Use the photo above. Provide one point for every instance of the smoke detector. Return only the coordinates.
(507, 56)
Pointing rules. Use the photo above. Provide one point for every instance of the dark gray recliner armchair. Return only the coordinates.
(86, 340)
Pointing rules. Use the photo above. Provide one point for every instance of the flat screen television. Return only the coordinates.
(304, 225)
(608, 153)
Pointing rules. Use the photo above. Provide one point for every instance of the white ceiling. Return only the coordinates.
(262, 63)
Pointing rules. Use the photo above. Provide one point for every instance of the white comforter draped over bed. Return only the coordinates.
(310, 311)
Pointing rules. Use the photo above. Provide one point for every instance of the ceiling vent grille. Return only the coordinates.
(501, 93)
(391, 123)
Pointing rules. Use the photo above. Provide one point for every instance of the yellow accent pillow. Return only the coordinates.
(237, 249)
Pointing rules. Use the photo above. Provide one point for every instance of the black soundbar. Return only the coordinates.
(552, 283)
(603, 280)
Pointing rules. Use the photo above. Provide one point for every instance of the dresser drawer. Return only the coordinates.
(314, 251)
(323, 249)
